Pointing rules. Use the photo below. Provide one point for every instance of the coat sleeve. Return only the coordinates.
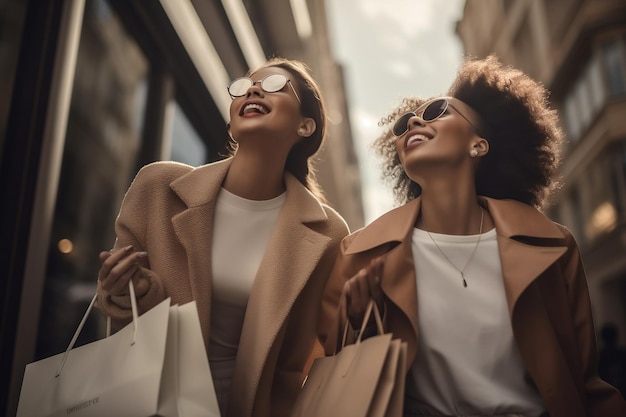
(602, 399)
(333, 320)
(131, 229)
(332, 304)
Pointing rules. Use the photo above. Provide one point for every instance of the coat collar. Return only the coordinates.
(513, 220)
(201, 185)
(528, 242)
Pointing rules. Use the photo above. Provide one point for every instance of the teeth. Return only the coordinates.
(416, 138)
(253, 107)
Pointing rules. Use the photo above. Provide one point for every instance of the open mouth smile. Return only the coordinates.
(253, 108)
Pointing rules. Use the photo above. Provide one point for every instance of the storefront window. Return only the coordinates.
(187, 146)
(103, 139)
(11, 21)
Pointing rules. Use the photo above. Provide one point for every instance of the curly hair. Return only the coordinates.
(522, 129)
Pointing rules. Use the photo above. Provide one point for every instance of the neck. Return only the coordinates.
(451, 212)
(255, 176)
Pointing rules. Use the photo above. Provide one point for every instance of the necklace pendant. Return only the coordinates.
(464, 282)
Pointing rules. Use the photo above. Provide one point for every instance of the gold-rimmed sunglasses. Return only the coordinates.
(270, 84)
(428, 112)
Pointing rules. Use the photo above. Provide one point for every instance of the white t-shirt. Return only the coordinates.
(241, 231)
(467, 362)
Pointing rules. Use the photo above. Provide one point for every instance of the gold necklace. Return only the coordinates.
(462, 271)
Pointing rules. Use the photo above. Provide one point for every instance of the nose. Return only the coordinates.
(255, 88)
(415, 121)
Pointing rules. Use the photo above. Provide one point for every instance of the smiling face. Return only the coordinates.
(272, 116)
(443, 144)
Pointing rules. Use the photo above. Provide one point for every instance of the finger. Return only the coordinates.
(141, 283)
(104, 255)
(119, 270)
(375, 277)
(120, 287)
(110, 262)
(356, 307)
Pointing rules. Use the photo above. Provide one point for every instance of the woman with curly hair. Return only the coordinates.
(489, 294)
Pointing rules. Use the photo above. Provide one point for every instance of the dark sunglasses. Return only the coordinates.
(270, 84)
(428, 112)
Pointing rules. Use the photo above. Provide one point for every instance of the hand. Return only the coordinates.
(119, 267)
(362, 287)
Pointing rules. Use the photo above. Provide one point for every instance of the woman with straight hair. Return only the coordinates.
(249, 238)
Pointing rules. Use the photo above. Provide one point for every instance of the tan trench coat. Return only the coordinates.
(168, 212)
(546, 291)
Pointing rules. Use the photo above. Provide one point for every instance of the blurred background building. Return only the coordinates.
(577, 49)
(91, 90)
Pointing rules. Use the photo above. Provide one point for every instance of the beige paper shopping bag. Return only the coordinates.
(365, 379)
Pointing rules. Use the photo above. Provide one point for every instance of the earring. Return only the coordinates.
(473, 153)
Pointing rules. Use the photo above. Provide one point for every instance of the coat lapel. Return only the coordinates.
(398, 283)
(194, 229)
(528, 243)
(282, 275)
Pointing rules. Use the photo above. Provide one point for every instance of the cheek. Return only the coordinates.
(233, 109)
(399, 150)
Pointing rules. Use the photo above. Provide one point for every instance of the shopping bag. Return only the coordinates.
(365, 379)
(187, 388)
(155, 366)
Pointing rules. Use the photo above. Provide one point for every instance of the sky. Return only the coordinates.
(389, 50)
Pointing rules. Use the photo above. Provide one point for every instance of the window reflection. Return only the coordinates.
(186, 145)
(102, 143)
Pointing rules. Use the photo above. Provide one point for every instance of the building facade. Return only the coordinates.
(577, 49)
(91, 90)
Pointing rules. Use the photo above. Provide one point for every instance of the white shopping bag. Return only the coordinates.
(187, 386)
(155, 366)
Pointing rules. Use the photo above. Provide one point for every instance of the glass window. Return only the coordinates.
(11, 22)
(101, 147)
(615, 67)
(596, 85)
(572, 120)
(583, 100)
(186, 145)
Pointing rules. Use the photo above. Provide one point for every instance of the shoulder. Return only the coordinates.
(162, 171)
(337, 223)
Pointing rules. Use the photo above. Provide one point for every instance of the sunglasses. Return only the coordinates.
(428, 112)
(270, 84)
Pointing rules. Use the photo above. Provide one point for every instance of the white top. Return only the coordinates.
(467, 362)
(241, 231)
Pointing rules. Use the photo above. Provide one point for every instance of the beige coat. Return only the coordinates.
(168, 212)
(546, 291)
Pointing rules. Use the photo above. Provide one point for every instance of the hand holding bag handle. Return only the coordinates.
(371, 306)
(363, 379)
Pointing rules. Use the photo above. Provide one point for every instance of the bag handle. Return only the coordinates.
(371, 306)
(133, 306)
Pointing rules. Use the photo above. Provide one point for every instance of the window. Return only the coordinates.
(103, 138)
(614, 62)
(186, 145)
(11, 22)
